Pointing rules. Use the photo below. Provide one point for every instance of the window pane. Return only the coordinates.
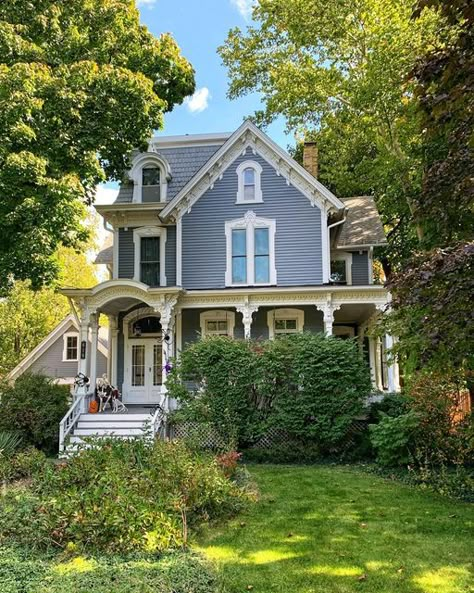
(71, 348)
(212, 326)
(249, 192)
(239, 270)
(261, 242)
(150, 274)
(249, 176)
(291, 324)
(138, 365)
(338, 270)
(279, 324)
(150, 176)
(239, 242)
(222, 326)
(262, 269)
(150, 249)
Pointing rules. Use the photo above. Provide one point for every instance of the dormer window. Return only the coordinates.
(249, 183)
(150, 174)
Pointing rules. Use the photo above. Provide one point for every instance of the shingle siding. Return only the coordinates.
(298, 251)
(360, 268)
(184, 163)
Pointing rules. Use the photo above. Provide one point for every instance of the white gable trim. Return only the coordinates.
(248, 136)
(67, 323)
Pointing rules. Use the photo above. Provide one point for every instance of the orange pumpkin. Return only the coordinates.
(93, 407)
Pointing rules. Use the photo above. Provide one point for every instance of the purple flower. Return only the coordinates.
(168, 367)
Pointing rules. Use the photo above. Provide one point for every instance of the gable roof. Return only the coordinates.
(249, 135)
(65, 325)
(363, 227)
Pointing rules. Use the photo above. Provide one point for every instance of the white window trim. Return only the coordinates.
(65, 337)
(217, 315)
(274, 314)
(347, 257)
(139, 163)
(258, 182)
(250, 222)
(150, 231)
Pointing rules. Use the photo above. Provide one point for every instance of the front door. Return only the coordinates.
(145, 373)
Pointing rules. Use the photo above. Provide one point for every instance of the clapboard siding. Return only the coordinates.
(360, 268)
(191, 328)
(127, 254)
(298, 251)
(51, 363)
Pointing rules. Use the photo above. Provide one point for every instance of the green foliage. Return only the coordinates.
(9, 443)
(23, 572)
(27, 316)
(34, 407)
(338, 73)
(392, 438)
(122, 497)
(308, 385)
(82, 84)
(23, 464)
(224, 374)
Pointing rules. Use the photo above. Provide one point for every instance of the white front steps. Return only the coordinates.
(123, 426)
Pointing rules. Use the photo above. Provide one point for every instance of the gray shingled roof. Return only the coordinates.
(184, 162)
(106, 254)
(363, 225)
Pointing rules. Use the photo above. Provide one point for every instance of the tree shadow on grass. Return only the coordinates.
(333, 530)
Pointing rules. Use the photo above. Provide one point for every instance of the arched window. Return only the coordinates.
(150, 174)
(249, 183)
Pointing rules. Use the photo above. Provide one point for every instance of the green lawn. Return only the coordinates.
(332, 530)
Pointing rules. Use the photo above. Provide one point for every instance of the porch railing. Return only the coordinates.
(71, 418)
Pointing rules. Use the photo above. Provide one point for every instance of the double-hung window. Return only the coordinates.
(150, 251)
(70, 347)
(249, 183)
(150, 260)
(250, 251)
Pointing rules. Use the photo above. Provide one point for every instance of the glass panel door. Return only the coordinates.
(138, 365)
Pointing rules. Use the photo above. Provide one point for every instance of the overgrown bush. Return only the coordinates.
(308, 385)
(121, 496)
(34, 407)
(394, 437)
(27, 463)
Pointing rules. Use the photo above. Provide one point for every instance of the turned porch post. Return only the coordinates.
(247, 311)
(113, 344)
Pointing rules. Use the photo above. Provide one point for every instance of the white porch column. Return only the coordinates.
(378, 365)
(247, 311)
(113, 345)
(94, 340)
(84, 342)
(328, 308)
(393, 371)
(372, 361)
(167, 320)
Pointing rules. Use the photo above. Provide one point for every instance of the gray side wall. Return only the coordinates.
(51, 363)
(298, 251)
(360, 268)
(127, 254)
(191, 328)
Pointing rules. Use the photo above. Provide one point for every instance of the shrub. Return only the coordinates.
(24, 464)
(393, 438)
(222, 373)
(9, 443)
(34, 407)
(308, 385)
(123, 496)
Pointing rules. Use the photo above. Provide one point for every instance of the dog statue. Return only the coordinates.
(117, 405)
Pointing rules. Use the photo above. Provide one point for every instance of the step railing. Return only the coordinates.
(67, 424)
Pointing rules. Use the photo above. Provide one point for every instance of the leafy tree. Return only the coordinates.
(82, 83)
(337, 71)
(27, 316)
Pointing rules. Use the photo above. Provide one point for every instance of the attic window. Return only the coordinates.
(249, 183)
(151, 176)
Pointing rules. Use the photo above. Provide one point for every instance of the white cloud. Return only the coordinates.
(199, 101)
(244, 7)
(105, 195)
(148, 3)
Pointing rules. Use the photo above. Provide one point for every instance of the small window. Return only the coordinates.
(338, 271)
(216, 327)
(239, 256)
(150, 176)
(217, 323)
(284, 327)
(150, 261)
(249, 184)
(70, 349)
(283, 322)
(262, 256)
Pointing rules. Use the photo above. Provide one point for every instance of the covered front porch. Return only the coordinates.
(148, 327)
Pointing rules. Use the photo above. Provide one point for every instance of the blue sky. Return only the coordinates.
(199, 27)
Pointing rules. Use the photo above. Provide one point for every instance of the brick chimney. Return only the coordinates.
(310, 158)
